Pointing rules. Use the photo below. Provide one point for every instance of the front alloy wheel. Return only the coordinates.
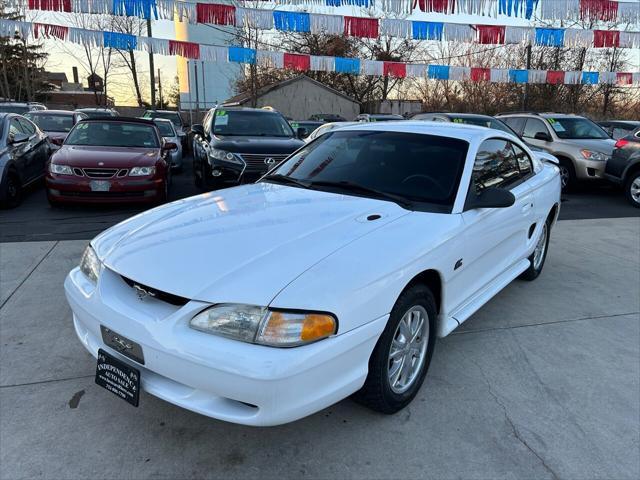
(400, 360)
(633, 189)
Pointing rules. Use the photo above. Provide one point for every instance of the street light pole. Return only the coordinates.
(151, 67)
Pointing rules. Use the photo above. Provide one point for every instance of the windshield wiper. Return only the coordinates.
(357, 188)
(285, 180)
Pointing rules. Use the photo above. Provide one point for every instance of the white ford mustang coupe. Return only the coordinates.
(331, 276)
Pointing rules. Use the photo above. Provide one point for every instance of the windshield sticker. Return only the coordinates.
(556, 126)
(458, 120)
(222, 120)
(221, 113)
(294, 125)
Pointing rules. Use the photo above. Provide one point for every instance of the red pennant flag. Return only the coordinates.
(603, 10)
(184, 49)
(606, 38)
(623, 78)
(46, 30)
(480, 74)
(491, 34)
(51, 5)
(216, 13)
(395, 69)
(442, 6)
(361, 27)
(294, 61)
(555, 77)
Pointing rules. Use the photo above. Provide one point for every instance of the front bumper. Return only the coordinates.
(589, 169)
(214, 376)
(74, 189)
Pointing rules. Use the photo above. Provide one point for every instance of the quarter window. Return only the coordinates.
(496, 165)
(15, 127)
(524, 162)
(534, 126)
(27, 127)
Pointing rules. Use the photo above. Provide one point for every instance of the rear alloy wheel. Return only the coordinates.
(400, 360)
(539, 255)
(632, 189)
(11, 194)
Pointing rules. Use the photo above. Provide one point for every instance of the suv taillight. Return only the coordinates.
(621, 143)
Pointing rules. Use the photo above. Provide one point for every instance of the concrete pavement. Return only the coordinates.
(542, 382)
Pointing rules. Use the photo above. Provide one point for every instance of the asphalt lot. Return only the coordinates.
(542, 382)
(35, 220)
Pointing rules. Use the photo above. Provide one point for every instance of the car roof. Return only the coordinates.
(94, 109)
(161, 111)
(461, 131)
(55, 112)
(22, 104)
(626, 122)
(143, 121)
(234, 108)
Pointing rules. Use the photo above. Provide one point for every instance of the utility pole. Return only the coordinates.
(195, 75)
(151, 67)
(525, 91)
(204, 88)
(160, 88)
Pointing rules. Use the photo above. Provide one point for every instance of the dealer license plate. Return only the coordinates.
(100, 185)
(119, 378)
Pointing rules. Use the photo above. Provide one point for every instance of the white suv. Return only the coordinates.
(581, 146)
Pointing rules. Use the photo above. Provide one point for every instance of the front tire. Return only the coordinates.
(567, 174)
(632, 189)
(11, 191)
(401, 358)
(539, 255)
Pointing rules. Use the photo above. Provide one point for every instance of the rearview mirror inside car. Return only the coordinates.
(491, 197)
(545, 137)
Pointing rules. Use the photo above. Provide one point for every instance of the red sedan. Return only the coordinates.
(55, 123)
(115, 160)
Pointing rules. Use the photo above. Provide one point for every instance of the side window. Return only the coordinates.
(14, 127)
(27, 127)
(534, 126)
(495, 165)
(524, 162)
(516, 123)
(617, 133)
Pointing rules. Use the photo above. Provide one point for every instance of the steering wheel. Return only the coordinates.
(434, 184)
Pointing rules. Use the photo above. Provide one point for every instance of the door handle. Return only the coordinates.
(527, 207)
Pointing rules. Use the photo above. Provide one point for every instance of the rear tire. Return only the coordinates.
(632, 189)
(11, 191)
(539, 255)
(388, 388)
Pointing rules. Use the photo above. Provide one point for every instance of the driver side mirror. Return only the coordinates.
(198, 128)
(18, 138)
(169, 146)
(544, 136)
(302, 133)
(492, 197)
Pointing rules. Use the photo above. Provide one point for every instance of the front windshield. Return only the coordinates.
(577, 128)
(51, 122)
(166, 129)
(250, 124)
(419, 168)
(113, 134)
(173, 116)
(9, 108)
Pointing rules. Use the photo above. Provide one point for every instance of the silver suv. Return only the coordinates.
(582, 147)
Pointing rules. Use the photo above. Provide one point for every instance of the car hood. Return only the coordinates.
(603, 146)
(117, 157)
(257, 144)
(239, 245)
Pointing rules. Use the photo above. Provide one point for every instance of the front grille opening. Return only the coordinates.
(158, 294)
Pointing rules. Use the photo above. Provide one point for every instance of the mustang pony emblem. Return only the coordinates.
(142, 292)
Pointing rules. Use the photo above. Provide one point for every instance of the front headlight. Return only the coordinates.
(142, 171)
(254, 324)
(225, 156)
(60, 169)
(596, 156)
(90, 264)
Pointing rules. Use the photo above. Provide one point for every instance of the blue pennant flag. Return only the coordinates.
(550, 37)
(242, 55)
(590, 78)
(348, 65)
(519, 76)
(439, 72)
(291, 21)
(515, 8)
(427, 30)
(135, 8)
(121, 41)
